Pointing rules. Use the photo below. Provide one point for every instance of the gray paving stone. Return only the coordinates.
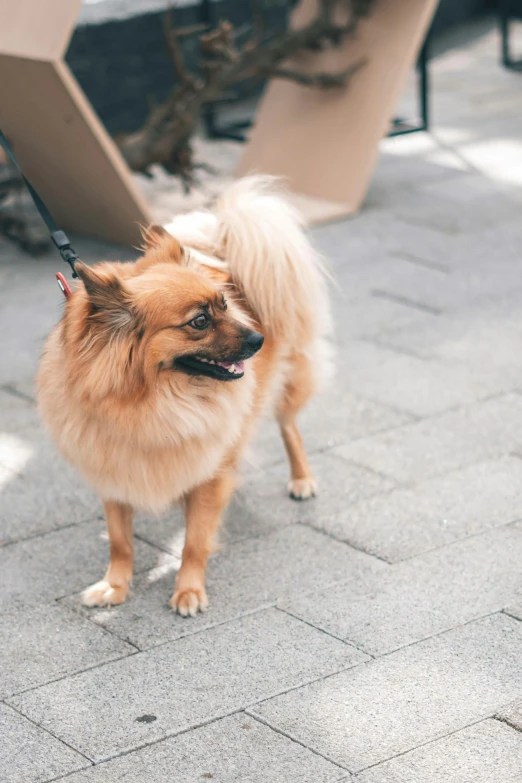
(469, 189)
(30, 755)
(232, 750)
(368, 233)
(406, 522)
(374, 314)
(262, 503)
(383, 611)
(482, 340)
(479, 754)
(360, 307)
(405, 273)
(15, 410)
(512, 715)
(502, 125)
(498, 159)
(204, 676)
(486, 278)
(32, 507)
(439, 212)
(500, 239)
(416, 695)
(442, 443)
(336, 416)
(407, 277)
(477, 270)
(49, 642)
(474, 336)
(264, 450)
(42, 492)
(340, 484)
(417, 386)
(41, 569)
(242, 578)
(414, 172)
(359, 355)
(24, 389)
(26, 290)
(515, 610)
(496, 243)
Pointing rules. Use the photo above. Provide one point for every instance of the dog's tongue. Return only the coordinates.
(238, 366)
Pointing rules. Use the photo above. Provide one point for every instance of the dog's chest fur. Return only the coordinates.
(151, 455)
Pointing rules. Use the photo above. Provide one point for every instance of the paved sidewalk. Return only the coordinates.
(372, 635)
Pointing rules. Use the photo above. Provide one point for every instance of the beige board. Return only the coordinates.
(325, 143)
(59, 141)
(40, 29)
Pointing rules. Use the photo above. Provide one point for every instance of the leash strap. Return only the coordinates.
(59, 238)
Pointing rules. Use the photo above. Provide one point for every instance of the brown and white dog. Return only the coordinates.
(154, 379)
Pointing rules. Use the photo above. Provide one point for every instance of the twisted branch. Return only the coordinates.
(166, 134)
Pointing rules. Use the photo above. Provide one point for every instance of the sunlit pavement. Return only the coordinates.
(373, 634)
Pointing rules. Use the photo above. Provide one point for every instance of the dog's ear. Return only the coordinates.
(109, 299)
(159, 239)
(153, 235)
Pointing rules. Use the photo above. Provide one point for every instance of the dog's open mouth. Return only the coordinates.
(221, 371)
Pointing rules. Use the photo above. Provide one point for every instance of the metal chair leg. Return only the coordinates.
(504, 21)
(400, 126)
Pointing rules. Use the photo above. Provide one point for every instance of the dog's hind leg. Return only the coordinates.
(204, 507)
(114, 586)
(299, 387)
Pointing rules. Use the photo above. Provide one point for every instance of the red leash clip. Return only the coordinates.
(64, 285)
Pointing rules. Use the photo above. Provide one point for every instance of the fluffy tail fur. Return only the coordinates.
(261, 236)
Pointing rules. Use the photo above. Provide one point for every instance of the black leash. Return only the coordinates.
(59, 238)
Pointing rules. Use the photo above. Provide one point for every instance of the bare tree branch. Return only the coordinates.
(195, 29)
(166, 134)
(325, 81)
(174, 49)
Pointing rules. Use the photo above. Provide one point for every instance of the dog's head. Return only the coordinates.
(159, 316)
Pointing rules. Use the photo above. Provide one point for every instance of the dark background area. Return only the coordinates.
(123, 65)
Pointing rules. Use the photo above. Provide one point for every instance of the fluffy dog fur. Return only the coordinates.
(136, 384)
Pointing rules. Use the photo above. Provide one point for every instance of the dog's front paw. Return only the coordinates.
(104, 594)
(188, 602)
(302, 489)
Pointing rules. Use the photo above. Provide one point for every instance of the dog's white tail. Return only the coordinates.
(261, 237)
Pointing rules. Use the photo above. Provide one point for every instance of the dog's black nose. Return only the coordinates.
(255, 341)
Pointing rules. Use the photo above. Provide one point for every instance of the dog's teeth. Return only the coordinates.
(232, 368)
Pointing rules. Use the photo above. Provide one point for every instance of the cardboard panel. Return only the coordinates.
(66, 153)
(326, 142)
(37, 28)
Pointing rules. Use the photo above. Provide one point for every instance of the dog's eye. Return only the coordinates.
(200, 321)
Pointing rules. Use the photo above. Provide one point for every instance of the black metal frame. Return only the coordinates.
(400, 126)
(213, 131)
(505, 17)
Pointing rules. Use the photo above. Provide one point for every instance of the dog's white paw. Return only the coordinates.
(104, 594)
(302, 489)
(189, 602)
